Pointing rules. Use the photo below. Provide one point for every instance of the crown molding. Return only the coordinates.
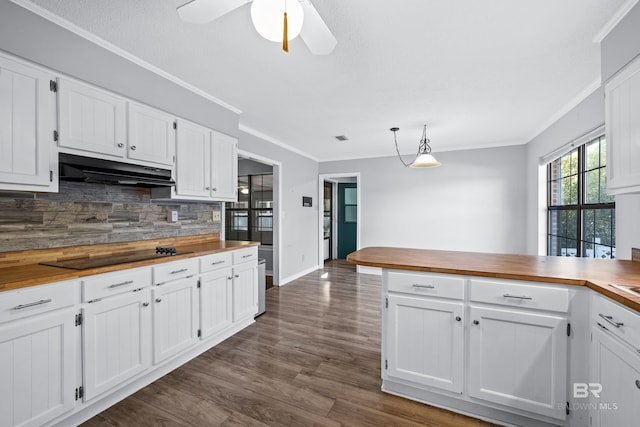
(258, 134)
(615, 20)
(61, 22)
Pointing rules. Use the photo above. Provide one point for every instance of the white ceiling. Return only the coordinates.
(479, 73)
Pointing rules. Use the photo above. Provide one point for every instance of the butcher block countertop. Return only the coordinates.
(21, 269)
(596, 274)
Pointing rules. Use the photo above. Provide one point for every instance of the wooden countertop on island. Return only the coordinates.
(21, 269)
(596, 274)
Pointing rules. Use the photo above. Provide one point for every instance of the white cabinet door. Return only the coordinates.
(518, 359)
(151, 135)
(425, 342)
(116, 341)
(245, 291)
(224, 167)
(37, 368)
(175, 317)
(27, 122)
(623, 130)
(193, 160)
(215, 301)
(91, 119)
(615, 370)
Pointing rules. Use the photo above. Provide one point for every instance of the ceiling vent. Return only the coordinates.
(341, 137)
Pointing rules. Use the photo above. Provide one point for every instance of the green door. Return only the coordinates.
(347, 218)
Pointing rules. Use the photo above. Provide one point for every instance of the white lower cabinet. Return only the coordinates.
(616, 380)
(175, 317)
(116, 341)
(245, 290)
(518, 359)
(425, 341)
(37, 368)
(216, 301)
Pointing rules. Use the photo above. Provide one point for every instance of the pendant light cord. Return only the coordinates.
(394, 130)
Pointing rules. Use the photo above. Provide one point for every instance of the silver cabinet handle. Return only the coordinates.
(476, 322)
(214, 189)
(247, 256)
(145, 304)
(158, 299)
(128, 282)
(120, 145)
(229, 278)
(31, 304)
(182, 270)
(416, 285)
(237, 275)
(610, 320)
(207, 188)
(458, 318)
(516, 296)
(217, 262)
(133, 148)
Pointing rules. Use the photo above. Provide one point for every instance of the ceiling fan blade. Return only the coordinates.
(205, 11)
(315, 32)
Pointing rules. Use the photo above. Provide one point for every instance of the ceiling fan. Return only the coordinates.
(274, 20)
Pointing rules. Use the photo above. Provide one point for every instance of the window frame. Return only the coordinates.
(581, 205)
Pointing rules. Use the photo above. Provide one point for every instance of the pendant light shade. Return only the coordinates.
(268, 18)
(424, 157)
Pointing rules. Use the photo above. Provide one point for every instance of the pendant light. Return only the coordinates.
(277, 20)
(424, 158)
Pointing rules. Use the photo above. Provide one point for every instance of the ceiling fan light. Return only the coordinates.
(425, 161)
(267, 18)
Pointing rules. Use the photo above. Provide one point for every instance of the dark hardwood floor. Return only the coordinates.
(312, 359)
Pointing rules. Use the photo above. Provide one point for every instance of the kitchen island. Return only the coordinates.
(513, 339)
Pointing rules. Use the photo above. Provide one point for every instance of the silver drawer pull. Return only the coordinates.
(116, 285)
(247, 256)
(415, 285)
(516, 296)
(217, 262)
(610, 320)
(31, 304)
(182, 270)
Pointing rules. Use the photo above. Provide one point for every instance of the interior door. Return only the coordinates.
(328, 220)
(347, 218)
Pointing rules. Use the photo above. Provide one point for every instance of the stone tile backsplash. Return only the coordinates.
(83, 214)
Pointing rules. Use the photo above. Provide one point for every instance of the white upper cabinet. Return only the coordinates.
(151, 135)
(623, 130)
(206, 163)
(193, 165)
(91, 119)
(27, 122)
(224, 166)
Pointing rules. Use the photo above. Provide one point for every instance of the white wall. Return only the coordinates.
(299, 175)
(474, 202)
(620, 46)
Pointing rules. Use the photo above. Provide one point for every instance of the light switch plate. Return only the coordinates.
(215, 216)
(172, 216)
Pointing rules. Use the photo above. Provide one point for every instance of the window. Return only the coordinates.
(581, 216)
(251, 217)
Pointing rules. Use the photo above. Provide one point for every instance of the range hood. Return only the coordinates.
(87, 169)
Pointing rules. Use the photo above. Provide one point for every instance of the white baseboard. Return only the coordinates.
(298, 275)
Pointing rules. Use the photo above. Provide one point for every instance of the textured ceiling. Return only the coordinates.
(478, 72)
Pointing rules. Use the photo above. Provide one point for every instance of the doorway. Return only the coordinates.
(338, 220)
(256, 214)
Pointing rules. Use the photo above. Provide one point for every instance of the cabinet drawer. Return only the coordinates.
(119, 282)
(215, 261)
(622, 322)
(174, 270)
(516, 294)
(427, 284)
(245, 255)
(35, 300)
